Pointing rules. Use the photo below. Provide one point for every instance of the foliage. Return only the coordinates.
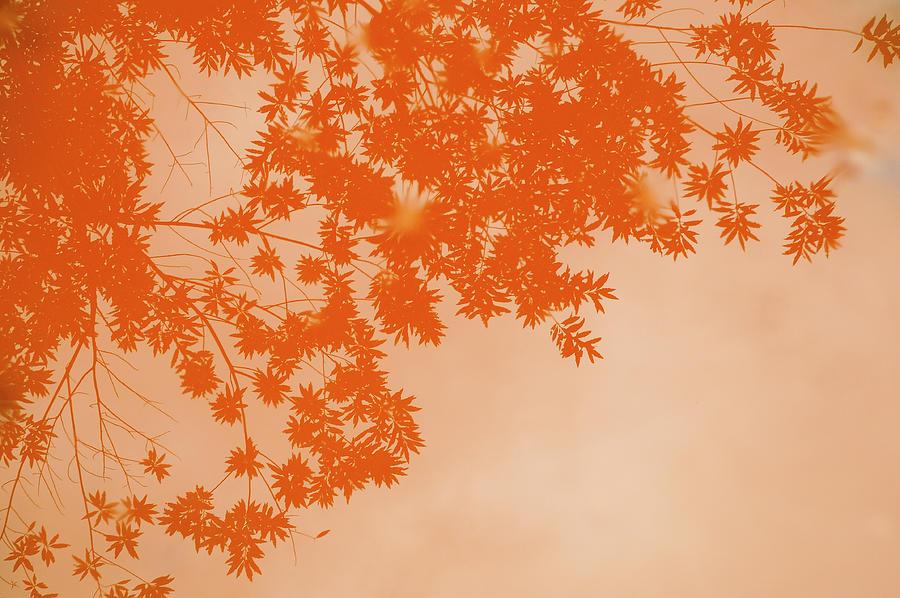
(432, 148)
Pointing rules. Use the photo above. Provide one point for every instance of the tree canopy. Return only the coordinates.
(409, 152)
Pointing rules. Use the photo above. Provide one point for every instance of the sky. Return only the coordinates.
(738, 439)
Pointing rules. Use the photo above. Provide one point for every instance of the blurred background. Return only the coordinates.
(739, 439)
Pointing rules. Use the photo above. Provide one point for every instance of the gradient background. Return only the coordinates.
(739, 439)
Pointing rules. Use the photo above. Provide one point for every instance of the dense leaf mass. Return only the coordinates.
(408, 151)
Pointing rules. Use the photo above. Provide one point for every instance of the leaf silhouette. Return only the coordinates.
(395, 157)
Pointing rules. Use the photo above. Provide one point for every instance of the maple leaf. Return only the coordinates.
(310, 270)
(48, 545)
(266, 262)
(228, 406)
(155, 588)
(155, 464)
(638, 8)
(89, 565)
(243, 555)
(118, 590)
(735, 222)
(23, 548)
(102, 510)
(35, 588)
(885, 37)
(138, 510)
(383, 468)
(572, 341)
(198, 375)
(270, 387)
(706, 184)
(737, 144)
(242, 461)
(124, 538)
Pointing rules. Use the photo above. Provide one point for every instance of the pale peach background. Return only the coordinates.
(739, 439)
